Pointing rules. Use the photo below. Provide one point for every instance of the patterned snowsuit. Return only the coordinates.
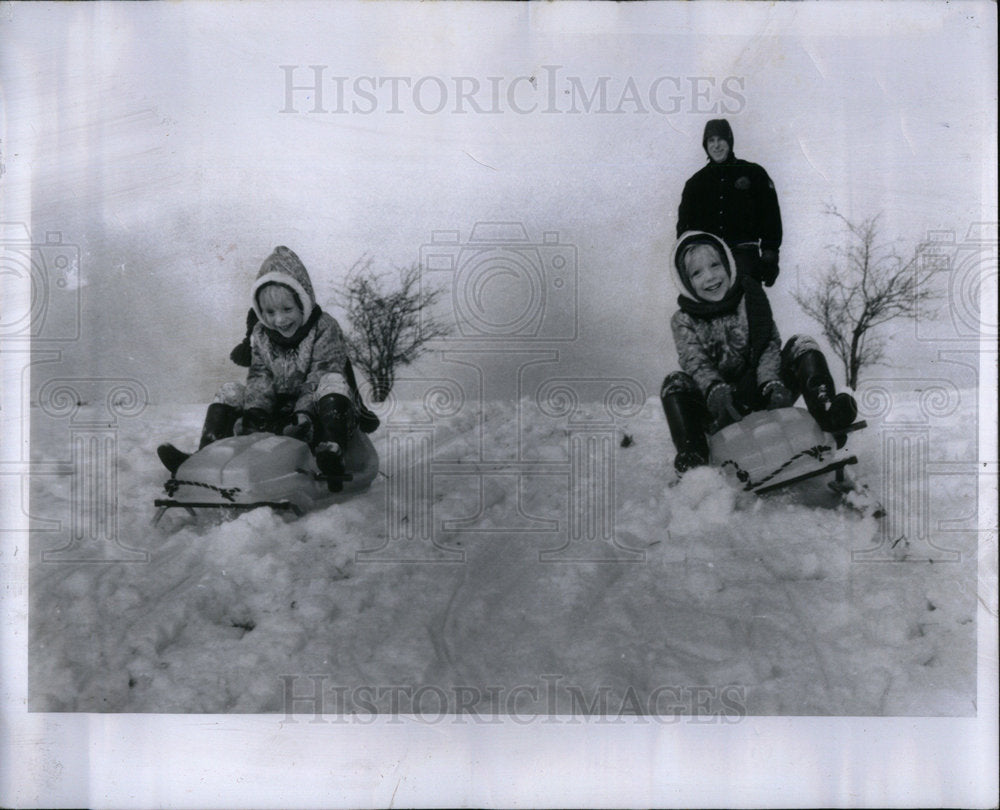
(716, 350)
(288, 376)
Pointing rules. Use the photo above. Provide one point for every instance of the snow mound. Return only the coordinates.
(498, 575)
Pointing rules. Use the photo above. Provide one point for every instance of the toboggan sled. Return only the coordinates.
(262, 469)
(771, 450)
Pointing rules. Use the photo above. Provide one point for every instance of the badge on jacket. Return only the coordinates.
(743, 183)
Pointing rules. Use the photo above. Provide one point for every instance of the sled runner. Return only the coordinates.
(262, 469)
(772, 450)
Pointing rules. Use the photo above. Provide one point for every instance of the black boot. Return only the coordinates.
(337, 422)
(219, 421)
(832, 411)
(686, 419)
(171, 457)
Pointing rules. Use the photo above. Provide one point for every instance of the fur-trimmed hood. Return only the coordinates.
(284, 267)
(688, 239)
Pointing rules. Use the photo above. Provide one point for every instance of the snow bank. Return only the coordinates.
(707, 600)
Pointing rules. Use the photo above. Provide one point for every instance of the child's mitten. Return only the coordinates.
(777, 395)
(302, 430)
(255, 420)
(721, 405)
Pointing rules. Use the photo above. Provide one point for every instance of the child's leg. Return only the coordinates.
(684, 407)
(220, 419)
(804, 371)
(336, 422)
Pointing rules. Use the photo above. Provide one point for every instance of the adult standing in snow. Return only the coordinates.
(734, 199)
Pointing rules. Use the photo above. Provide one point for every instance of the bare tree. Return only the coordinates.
(390, 321)
(867, 285)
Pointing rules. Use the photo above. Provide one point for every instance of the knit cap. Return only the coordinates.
(719, 128)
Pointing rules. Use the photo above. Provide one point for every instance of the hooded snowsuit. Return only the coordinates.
(731, 350)
(290, 375)
(734, 341)
(290, 371)
(306, 373)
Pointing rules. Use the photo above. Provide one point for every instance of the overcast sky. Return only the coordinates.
(177, 144)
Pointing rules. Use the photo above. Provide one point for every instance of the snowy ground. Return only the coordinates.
(482, 592)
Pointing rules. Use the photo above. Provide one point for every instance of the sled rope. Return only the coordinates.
(743, 476)
(174, 483)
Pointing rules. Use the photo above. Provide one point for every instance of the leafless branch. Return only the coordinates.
(390, 321)
(868, 284)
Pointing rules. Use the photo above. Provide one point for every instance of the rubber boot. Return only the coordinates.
(171, 457)
(219, 421)
(337, 421)
(685, 419)
(832, 411)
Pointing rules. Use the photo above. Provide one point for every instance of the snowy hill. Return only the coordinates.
(508, 560)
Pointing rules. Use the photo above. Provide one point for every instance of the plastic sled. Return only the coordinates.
(262, 469)
(772, 450)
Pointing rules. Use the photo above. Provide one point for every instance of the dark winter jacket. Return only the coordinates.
(290, 369)
(717, 348)
(734, 199)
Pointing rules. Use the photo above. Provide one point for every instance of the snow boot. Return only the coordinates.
(833, 412)
(685, 418)
(337, 422)
(171, 457)
(219, 421)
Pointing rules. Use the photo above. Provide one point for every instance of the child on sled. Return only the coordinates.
(731, 355)
(300, 381)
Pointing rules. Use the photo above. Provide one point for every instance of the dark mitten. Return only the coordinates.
(303, 431)
(777, 395)
(769, 267)
(255, 420)
(242, 354)
(721, 406)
